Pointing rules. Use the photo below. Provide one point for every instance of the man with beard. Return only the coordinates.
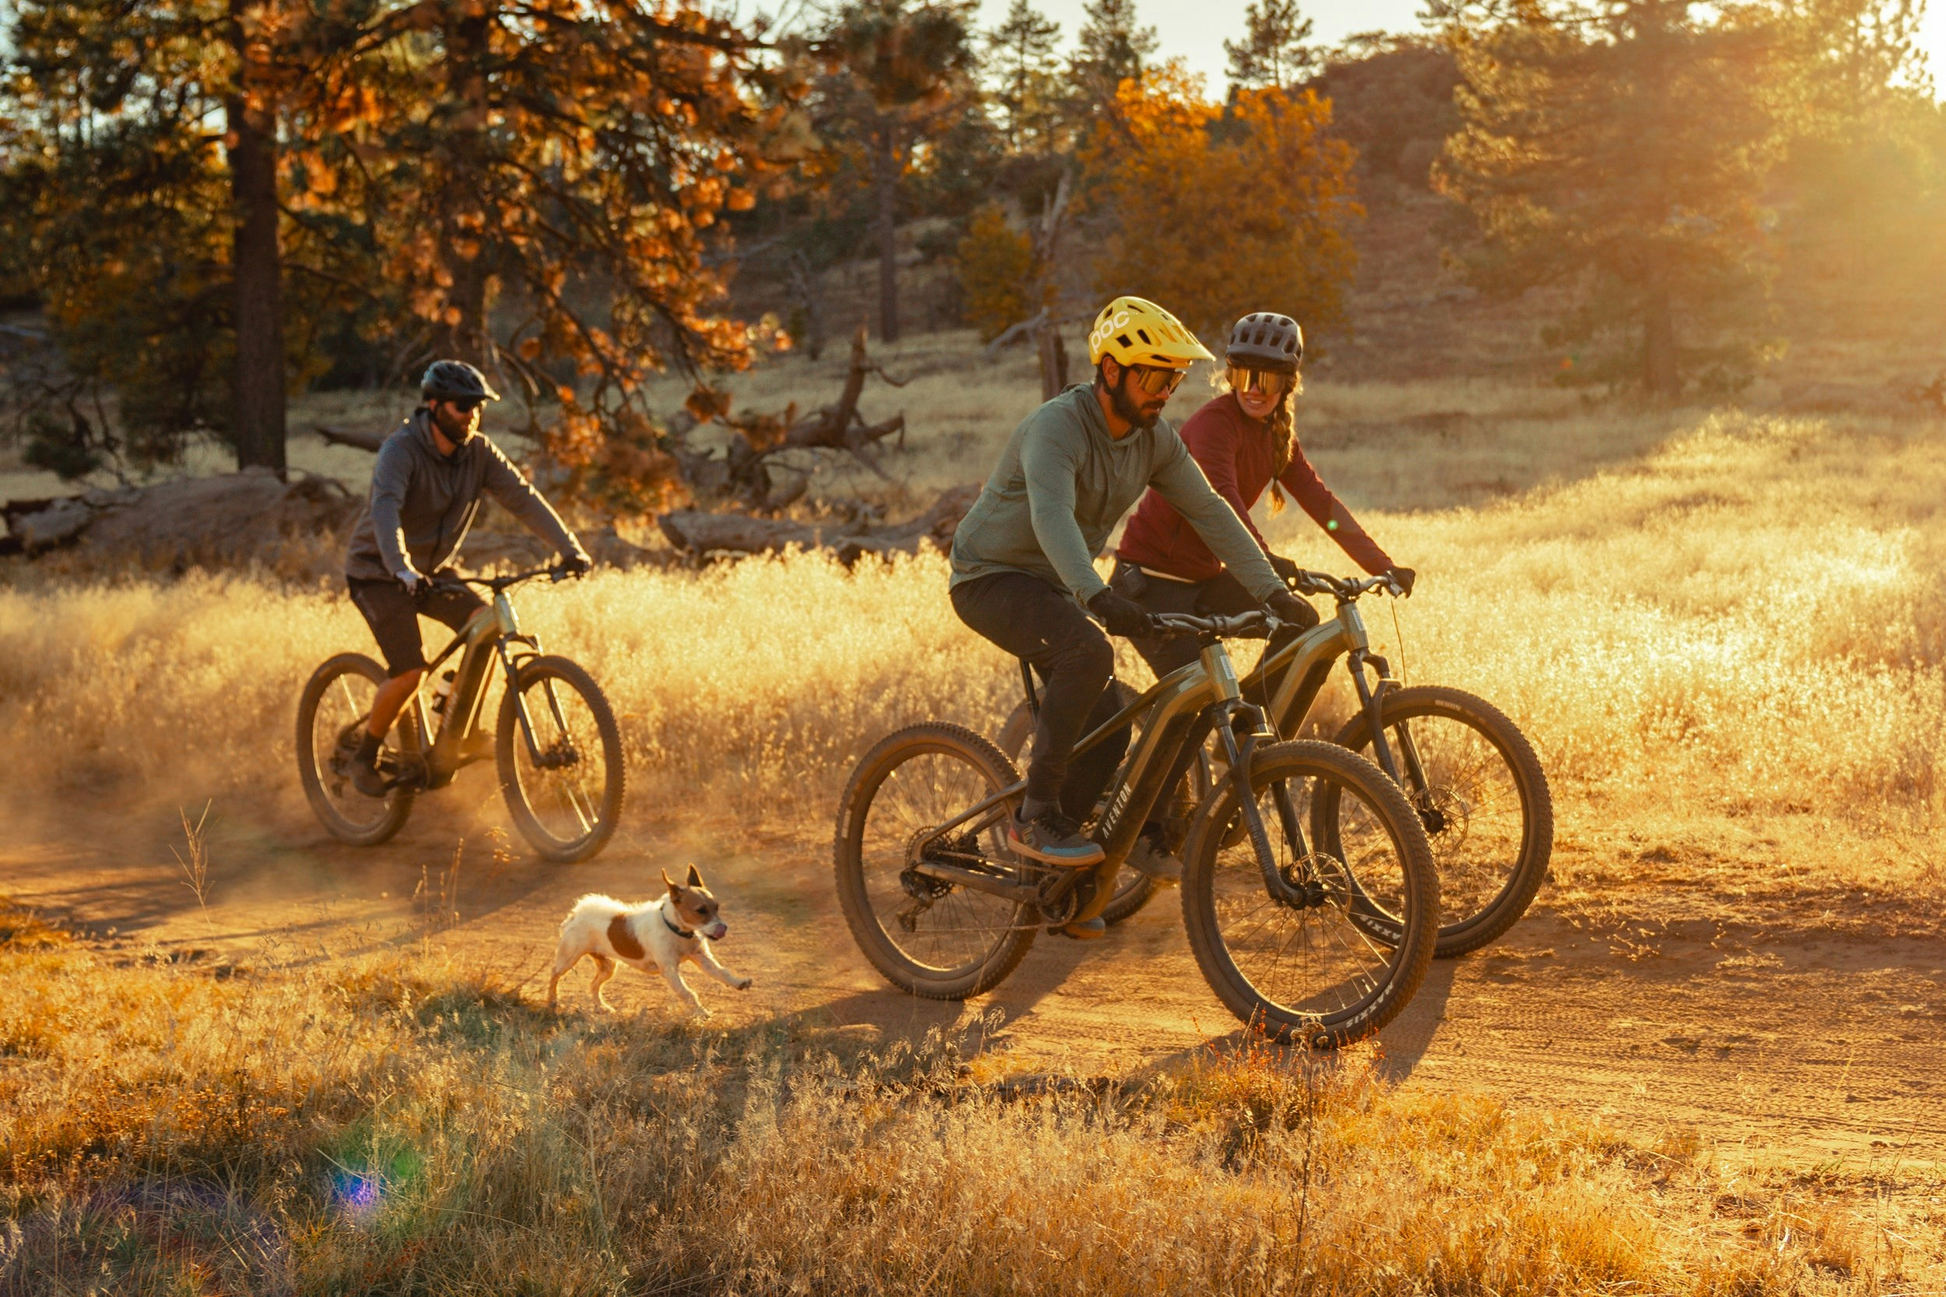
(426, 490)
(1023, 558)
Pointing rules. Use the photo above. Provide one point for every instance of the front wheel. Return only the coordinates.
(929, 937)
(1290, 953)
(331, 715)
(562, 772)
(1482, 798)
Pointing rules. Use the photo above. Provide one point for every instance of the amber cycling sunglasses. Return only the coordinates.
(1157, 382)
(1258, 380)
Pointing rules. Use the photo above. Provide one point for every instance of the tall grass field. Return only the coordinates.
(1724, 624)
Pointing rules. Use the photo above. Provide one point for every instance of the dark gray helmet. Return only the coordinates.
(455, 380)
(1266, 340)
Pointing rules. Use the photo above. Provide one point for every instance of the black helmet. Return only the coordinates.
(1266, 340)
(455, 380)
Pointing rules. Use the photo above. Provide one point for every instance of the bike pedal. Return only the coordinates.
(1084, 929)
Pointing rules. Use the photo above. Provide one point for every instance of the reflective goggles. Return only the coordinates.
(1157, 382)
(1259, 380)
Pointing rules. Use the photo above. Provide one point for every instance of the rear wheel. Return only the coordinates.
(1290, 955)
(1483, 800)
(1132, 890)
(331, 715)
(565, 790)
(929, 937)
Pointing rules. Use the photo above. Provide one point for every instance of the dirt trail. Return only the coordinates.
(1809, 1044)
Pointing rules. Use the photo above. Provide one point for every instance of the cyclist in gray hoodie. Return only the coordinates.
(426, 490)
(1023, 558)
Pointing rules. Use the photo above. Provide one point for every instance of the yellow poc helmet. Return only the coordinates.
(1135, 331)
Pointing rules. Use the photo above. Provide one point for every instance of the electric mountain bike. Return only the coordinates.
(554, 740)
(1470, 774)
(1313, 921)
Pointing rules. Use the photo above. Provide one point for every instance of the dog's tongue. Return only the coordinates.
(719, 932)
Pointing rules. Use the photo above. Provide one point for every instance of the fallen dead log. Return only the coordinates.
(700, 532)
(356, 440)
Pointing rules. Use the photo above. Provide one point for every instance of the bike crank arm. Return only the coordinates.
(977, 880)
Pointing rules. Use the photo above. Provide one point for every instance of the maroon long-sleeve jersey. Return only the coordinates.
(1235, 454)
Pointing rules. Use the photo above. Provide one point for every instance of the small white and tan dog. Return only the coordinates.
(656, 935)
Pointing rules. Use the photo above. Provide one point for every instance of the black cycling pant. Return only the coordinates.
(1031, 619)
(393, 614)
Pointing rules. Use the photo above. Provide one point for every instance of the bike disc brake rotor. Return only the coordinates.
(1318, 880)
(1445, 815)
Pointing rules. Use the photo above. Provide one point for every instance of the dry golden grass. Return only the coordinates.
(399, 1124)
(1739, 620)
(1709, 623)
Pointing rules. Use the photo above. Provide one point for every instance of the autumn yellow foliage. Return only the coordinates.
(996, 271)
(1215, 211)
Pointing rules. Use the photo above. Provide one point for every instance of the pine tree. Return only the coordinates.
(1111, 49)
(1622, 152)
(1024, 71)
(1272, 51)
(897, 72)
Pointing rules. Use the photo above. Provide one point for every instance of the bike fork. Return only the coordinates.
(1239, 755)
(1372, 701)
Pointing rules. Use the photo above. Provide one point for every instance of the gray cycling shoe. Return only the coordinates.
(1149, 859)
(368, 780)
(1053, 839)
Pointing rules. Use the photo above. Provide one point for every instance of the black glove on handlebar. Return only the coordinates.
(1285, 569)
(1403, 577)
(575, 565)
(1121, 616)
(1291, 610)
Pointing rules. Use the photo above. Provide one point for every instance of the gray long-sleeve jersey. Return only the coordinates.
(1063, 483)
(422, 503)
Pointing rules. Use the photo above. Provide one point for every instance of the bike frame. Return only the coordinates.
(1174, 716)
(1306, 661)
(492, 632)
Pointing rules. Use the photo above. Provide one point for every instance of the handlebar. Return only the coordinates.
(1248, 625)
(499, 583)
(1259, 625)
(1343, 589)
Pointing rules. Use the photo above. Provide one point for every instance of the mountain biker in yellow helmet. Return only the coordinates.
(1023, 558)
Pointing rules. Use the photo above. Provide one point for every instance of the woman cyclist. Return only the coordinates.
(1244, 440)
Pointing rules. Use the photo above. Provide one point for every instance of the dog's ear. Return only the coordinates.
(695, 876)
(669, 883)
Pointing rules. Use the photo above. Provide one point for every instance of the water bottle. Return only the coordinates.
(441, 692)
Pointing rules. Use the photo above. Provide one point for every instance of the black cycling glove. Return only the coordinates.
(575, 565)
(1123, 617)
(1403, 577)
(1285, 569)
(1289, 609)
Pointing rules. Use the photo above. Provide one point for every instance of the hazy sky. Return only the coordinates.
(1196, 29)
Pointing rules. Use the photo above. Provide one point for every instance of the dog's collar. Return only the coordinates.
(684, 933)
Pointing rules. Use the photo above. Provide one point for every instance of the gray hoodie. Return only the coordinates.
(1063, 483)
(422, 504)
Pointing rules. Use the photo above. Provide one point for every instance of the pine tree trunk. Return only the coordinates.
(885, 183)
(465, 35)
(1659, 370)
(257, 414)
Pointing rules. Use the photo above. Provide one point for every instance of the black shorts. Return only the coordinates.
(394, 615)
